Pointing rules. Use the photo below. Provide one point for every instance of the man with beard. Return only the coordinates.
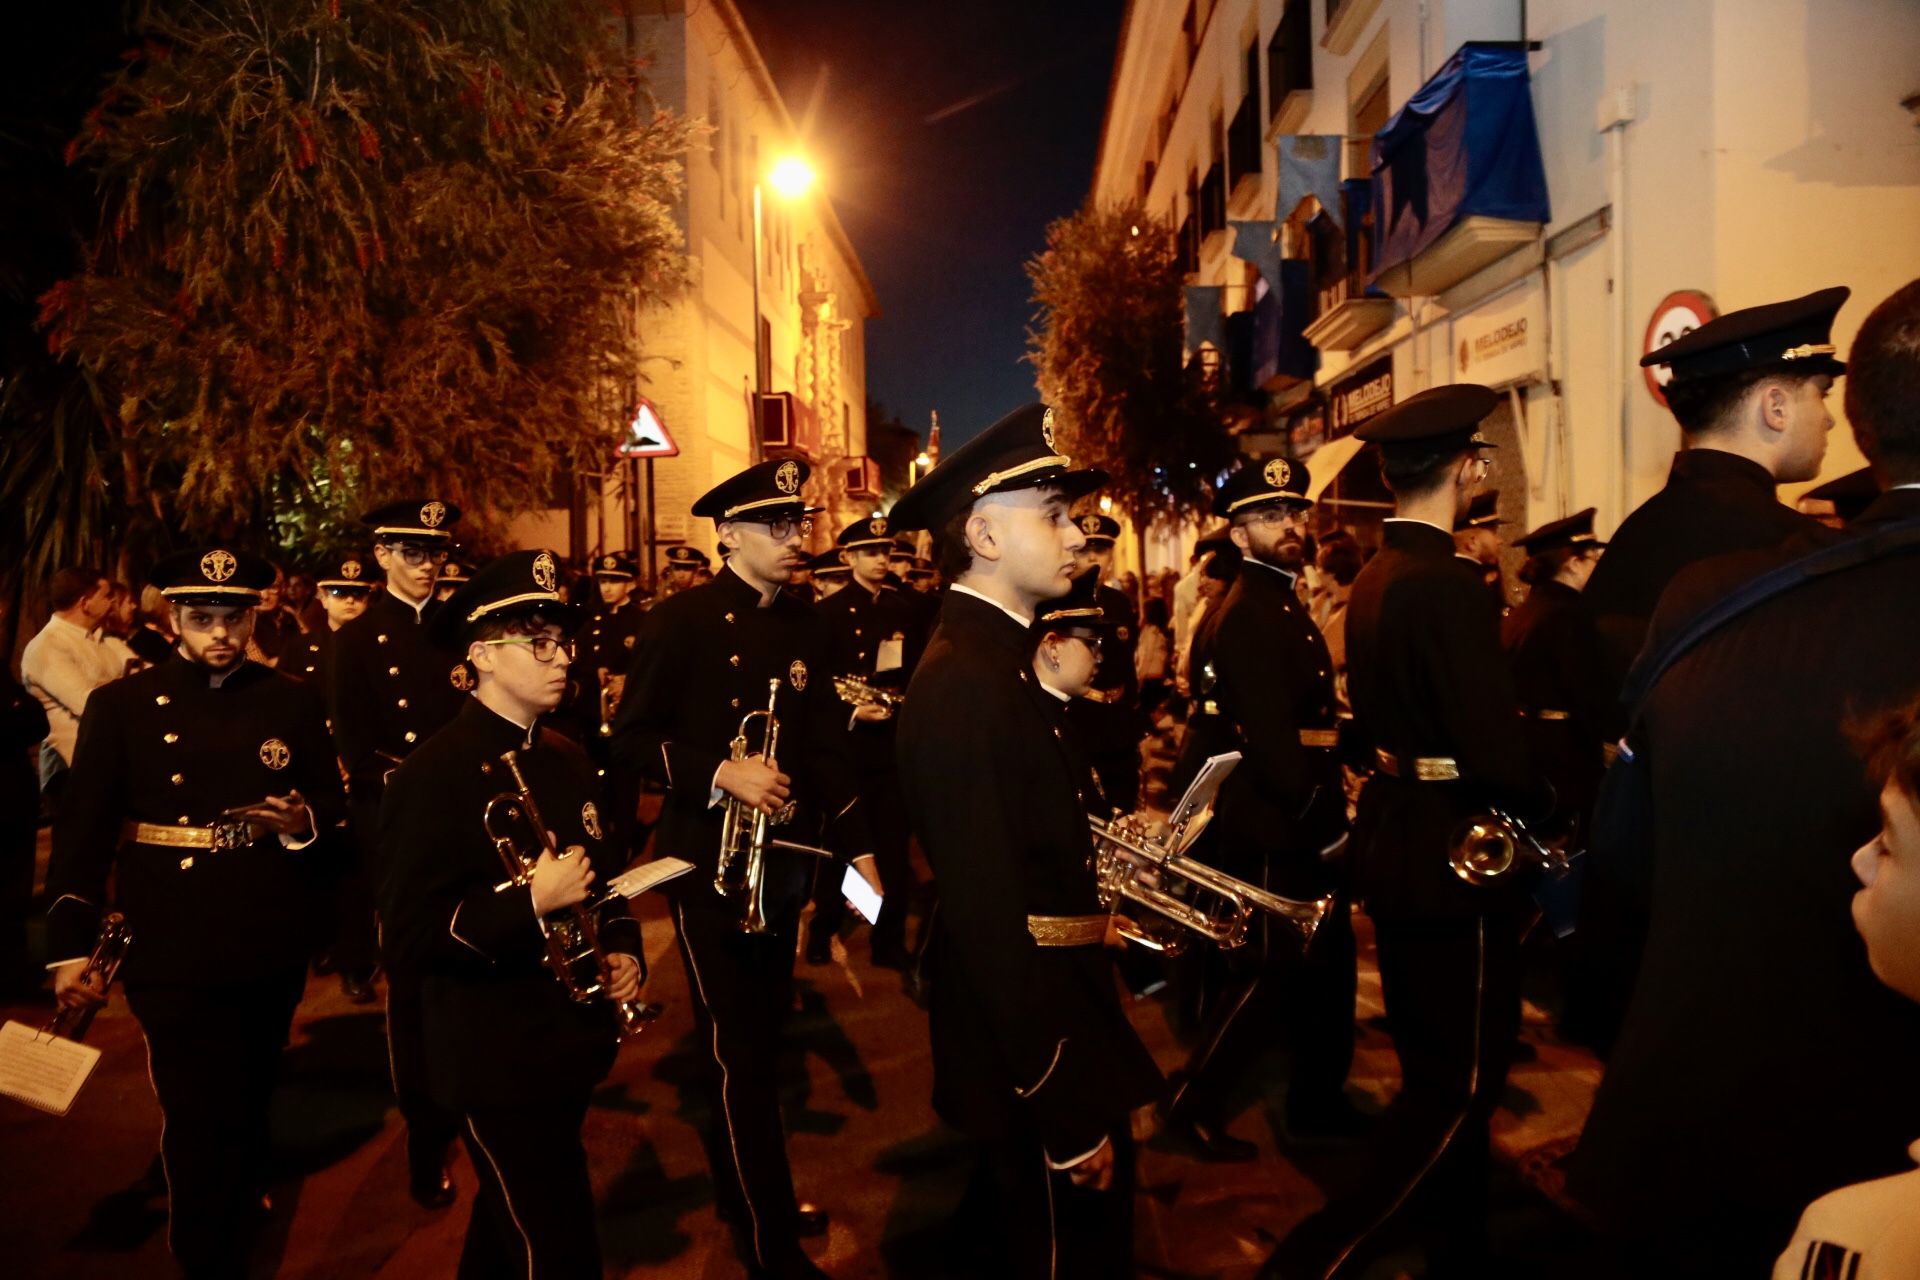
(1108, 714)
(1033, 1057)
(1477, 540)
(1263, 686)
(1433, 696)
(198, 786)
(391, 689)
(706, 657)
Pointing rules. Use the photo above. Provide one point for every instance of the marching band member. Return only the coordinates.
(1033, 1056)
(705, 657)
(199, 785)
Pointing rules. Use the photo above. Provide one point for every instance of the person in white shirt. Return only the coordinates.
(68, 659)
(1871, 1230)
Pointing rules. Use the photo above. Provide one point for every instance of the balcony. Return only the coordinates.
(1346, 19)
(1347, 316)
(1290, 69)
(1213, 210)
(1346, 312)
(1243, 159)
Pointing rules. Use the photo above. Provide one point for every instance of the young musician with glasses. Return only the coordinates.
(391, 689)
(514, 1056)
(705, 657)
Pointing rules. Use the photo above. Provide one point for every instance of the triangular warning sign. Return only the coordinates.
(647, 436)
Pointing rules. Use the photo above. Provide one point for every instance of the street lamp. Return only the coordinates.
(917, 468)
(791, 178)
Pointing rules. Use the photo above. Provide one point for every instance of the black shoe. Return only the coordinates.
(1210, 1141)
(358, 989)
(430, 1183)
(1326, 1119)
(810, 1220)
(819, 947)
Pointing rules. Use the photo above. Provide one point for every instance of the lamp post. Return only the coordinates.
(790, 177)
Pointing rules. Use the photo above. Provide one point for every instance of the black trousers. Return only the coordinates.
(1452, 991)
(1275, 988)
(887, 824)
(354, 937)
(742, 987)
(213, 1054)
(533, 1215)
(1048, 1228)
(18, 832)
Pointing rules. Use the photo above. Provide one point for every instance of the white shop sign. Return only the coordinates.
(1503, 340)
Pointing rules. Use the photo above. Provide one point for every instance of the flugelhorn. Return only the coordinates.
(1487, 846)
(102, 965)
(744, 830)
(858, 692)
(574, 954)
(611, 687)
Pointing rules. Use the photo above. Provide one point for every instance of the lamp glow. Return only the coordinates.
(791, 177)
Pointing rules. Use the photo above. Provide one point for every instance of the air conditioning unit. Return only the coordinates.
(779, 420)
(863, 478)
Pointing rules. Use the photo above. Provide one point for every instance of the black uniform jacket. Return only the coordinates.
(1261, 676)
(703, 660)
(308, 657)
(1761, 1063)
(165, 746)
(498, 1021)
(857, 622)
(1427, 678)
(1109, 720)
(1560, 675)
(1713, 503)
(1024, 1037)
(23, 727)
(391, 688)
(607, 642)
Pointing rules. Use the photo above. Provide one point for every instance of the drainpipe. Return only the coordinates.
(1615, 114)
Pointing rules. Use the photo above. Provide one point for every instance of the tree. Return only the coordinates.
(1109, 346)
(354, 248)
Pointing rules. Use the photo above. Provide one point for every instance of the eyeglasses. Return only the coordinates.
(1482, 467)
(1092, 642)
(781, 530)
(415, 555)
(1277, 514)
(542, 647)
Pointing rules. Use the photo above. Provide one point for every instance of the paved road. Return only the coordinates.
(864, 1143)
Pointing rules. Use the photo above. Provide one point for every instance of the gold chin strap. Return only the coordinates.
(993, 478)
(1807, 349)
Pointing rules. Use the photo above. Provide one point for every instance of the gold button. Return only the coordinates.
(186, 864)
(162, 700)
(729, 617)
(485, 767)
(736, 702)
(735, 660)
(169, 738)
(857, 631)
(403, 704)
(380, 639)
(1056, 732)
(411, 735)
(393, 671)
(183, 819)
(178, 779)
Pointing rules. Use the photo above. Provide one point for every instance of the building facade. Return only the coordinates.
(1691, 156)
(700, 377)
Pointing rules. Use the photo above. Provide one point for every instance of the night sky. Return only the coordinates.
(948, 136)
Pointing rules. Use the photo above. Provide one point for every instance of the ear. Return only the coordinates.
(728, 536)
(1775, 404)
(1240, 537)
(983, 537)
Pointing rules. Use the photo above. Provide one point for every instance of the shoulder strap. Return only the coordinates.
(1846, 554)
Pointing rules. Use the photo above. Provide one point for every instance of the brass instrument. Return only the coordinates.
(742, 869)
(857, 692)
(1129, 853)
(611, 687)
(512, 820)
(102, 965)
(1489, 845)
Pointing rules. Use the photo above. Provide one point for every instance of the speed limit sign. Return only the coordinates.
(1678, 315)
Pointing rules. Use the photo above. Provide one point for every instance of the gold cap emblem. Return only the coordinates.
(609, 562)
(786, 477)
(1046, 427)
(1089, 524)
(274, 754)
(878, 528)
(460, 677)
(1278, 472)
(797, 676)
(590, 819)
(544, 574)
(432, 514)
(218, 566)
(351, 569)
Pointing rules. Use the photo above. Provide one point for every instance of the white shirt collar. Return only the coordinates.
(966, 590)
(92, 637)
(1060, 694)
(418, 609)
(1289, 574)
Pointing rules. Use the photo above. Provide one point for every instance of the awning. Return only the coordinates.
(1464, 146)
(1328, 461)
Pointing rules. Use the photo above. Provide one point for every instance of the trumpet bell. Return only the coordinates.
(1482, 849)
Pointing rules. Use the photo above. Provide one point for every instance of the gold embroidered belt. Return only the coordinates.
(222, 835)
(1322, 738)
(1419, 768)
(1068, 931)
(1544, 714)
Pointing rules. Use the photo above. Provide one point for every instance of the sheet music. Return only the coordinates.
(42, 1070)
(648, 875)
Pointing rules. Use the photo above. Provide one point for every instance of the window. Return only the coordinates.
(1243, 135)
(1369, 117)
(1290, 55)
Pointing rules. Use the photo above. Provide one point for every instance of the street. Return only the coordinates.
(864, 1143)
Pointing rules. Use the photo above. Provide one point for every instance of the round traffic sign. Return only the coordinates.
(1679, 313)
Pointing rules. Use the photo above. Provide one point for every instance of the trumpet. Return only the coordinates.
(744, 831)
(611, 687)
(102, 965)
(1129, 853)
(1489, 845)
(858, 692)
(574, 954)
